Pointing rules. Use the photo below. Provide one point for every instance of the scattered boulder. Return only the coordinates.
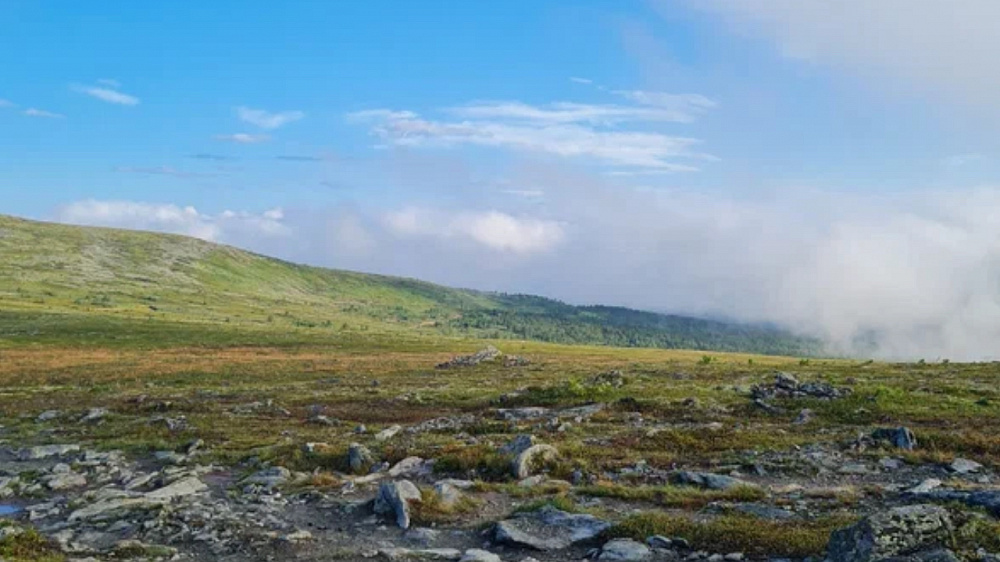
(477, 555)
(359, 458)
(421, 554)
(787, 386)
(48, 415)
(764, 511)
(410, 467)
(269, 477)
(624, 550)
(46, 451)
(489, 353)
(964, 466)
(925, 486)
(548, 529)
(708, 480)
(614, 379)
(183, 487)
(521, 414)
(448, 494)
(394, 499)
(659, 542)
(804, 417)
(388, 433)
(66, 481)
(899, 437)
(321, 419)
(901, 530)
(515, 361)
(529, 460)
(518, 444)
(94, 415)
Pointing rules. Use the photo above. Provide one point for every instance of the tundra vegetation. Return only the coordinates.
(163, 398)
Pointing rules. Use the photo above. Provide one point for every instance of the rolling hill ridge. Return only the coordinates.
(84, 284)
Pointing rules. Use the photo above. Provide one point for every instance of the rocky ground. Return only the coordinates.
(541, 473)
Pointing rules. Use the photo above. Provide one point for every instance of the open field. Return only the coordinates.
(625, 423)
(165, 398)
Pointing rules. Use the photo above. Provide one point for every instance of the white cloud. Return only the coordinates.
(6, 103)
(107, 95)
(243, 138)
(492, 229)
(942, 47)
(691, 104)
(33, 112)
(579, 80)
(540, 131)
(563, 112)
(267, 120)
(228, 226)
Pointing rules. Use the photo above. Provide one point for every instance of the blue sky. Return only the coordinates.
(744, 158)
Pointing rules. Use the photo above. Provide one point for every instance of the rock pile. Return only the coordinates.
(489, 353)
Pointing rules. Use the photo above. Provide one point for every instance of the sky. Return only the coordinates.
(831, 167)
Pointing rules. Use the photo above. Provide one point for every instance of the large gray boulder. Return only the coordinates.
(548, 529)
(394, 499)
(899, 531)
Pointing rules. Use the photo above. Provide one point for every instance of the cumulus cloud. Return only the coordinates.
(107, 94)
(267, 120)
(33, 112)
(492, 229)
(243, 138)
(228, 226)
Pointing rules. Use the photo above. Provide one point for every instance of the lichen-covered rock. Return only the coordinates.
(528, 461)
(901, 530)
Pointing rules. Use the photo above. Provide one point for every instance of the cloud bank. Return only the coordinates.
(917, 274)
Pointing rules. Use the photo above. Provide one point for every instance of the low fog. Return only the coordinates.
(916, 271)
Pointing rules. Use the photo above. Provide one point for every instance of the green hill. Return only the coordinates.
(82, 285)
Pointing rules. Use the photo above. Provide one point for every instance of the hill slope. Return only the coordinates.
(73, 283)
